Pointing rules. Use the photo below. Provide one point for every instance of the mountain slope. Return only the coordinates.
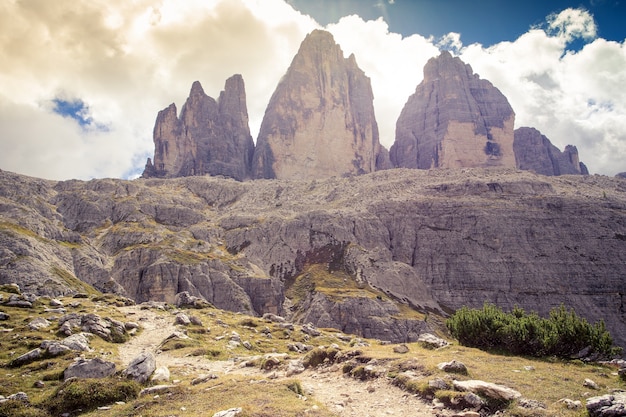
(370, 253)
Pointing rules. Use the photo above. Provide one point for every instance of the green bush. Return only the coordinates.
(562, 334)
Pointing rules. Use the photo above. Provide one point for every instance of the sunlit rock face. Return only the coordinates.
(210, 136)
(454, 120)
(320, 120)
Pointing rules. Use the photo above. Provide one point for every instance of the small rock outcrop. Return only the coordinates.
(609, 405)
(141, 367)
(535, 152)
(320, 120)
(210, 137)
(454, 120)
(89, 368)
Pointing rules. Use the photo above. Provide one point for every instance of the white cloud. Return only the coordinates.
(128, 60)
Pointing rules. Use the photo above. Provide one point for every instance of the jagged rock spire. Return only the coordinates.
(320, 120)
(210, 137)
(453, 120)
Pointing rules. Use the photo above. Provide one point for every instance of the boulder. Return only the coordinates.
(161, 374)
(182, 319)
(141, 367)
(77, 342)
(487, 389)
(232, 412)
(430, 341)
(186, 300)
(401, 348)
(454, 367)
(27, 357)
(38, 324)
(610, 405)
(89, 368)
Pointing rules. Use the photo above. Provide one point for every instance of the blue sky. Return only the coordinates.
(484, 21)
(83, 80)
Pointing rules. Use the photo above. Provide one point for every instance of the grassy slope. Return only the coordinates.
(549, 381)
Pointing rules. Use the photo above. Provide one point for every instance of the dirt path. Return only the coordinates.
(346, 397)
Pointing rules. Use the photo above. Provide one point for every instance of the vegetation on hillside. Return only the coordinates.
(563, 334)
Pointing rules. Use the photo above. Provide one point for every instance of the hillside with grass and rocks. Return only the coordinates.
(101, 354)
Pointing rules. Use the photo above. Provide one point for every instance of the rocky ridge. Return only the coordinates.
(394, 249)
(320, 122)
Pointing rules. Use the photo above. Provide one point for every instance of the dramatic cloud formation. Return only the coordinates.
(81, 82)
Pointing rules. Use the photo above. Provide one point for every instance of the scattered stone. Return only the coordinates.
(54, 348)
(247, 345)
(590, 384)
(273, 318)
(108, 329)
(4, 316)
(270, 362)
(401, 348)
(487, 389)
(195, 320)
(157, 389)
(529, 368)
(294, 367)
(12, 288)
(81, 295)
(186, 300)
(310, 330)
(228, 413)
(454, 367)
(27, 357)
(438, 384)
(467, 414)
(286, 326)
(203, 378)
(430, 341)
(39, 384)
(473, 400)
(531, 404)
(19, 303)
(58, 310)
(182, 319)
(571, 404)
(55, 303)
(610, 405)
(19, 396)
(141, 367)
(162, 373)
(131, 325)
(89, 368)
(77, 342)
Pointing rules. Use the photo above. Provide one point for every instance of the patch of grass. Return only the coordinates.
(88, 394)
(15, 408)
(73, 282)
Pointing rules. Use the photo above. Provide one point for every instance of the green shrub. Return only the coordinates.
(562, 334)
(88, 394)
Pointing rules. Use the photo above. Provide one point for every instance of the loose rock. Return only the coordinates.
(141, 367)
(89, 368)
(430, 341)
(453, 366)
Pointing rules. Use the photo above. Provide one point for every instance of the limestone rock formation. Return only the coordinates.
(210, 137)
(454, 120)
(425, 242)
(535, 152)
(320, 120)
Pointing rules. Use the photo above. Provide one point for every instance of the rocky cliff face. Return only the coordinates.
(320, 120)
(535, 152)
(210, 137)
(370, 254)
(454, 120)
